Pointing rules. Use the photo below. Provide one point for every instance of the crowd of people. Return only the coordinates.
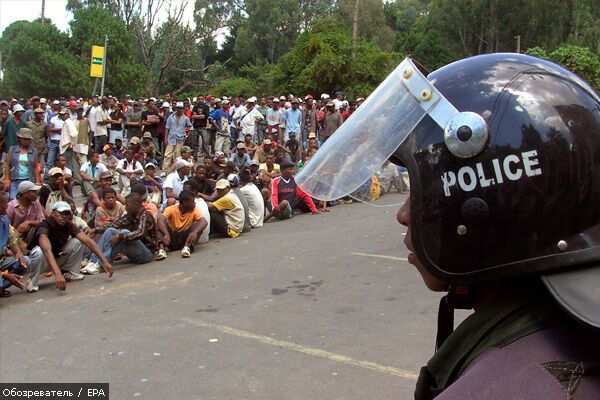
(154, 175)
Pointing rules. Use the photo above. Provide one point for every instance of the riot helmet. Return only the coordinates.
(503, 152)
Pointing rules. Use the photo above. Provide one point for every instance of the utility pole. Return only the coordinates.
(43, 11)
(355, 29)
(518, 37)
(104, 61)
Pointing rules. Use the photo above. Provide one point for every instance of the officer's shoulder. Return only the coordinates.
(546, 365)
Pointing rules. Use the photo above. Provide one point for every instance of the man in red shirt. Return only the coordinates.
(286, 196)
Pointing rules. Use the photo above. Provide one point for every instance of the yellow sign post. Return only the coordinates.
(96, 68)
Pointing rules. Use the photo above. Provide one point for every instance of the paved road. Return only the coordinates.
(318, 307)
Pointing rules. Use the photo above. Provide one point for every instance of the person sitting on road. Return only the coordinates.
(55, 190)
(110, 210)
(240, 157)
(128, 168)
(95, 198)
(227, 212)
(192, 186)
(134, 235)
(234, 182)
(25, 212)
(270, 168)
(57, 245)
(254, 198)
(174, 182)
(205, 187)
(287, 196)
(109, 160)
(13, 264)
(153, 183)
(184, 224)
(90, 173)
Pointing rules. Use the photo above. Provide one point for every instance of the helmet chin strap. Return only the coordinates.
(458, 297)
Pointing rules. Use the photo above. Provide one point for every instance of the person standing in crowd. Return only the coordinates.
(151, 120)
(116, 123)
(240, 158)
(12, 126)
(133, 235)
(133, 121)
(227, 212)
(21, 163)
(57, 245)
(261, 127)
(309, 119)
(332, 121)
(29, 113)
(293, 121)
(245, 119)
(201, 136)
(39, 132)
(90, 173)
(91, 114)
(68, 135)
(274, 120)
(254, 198)
(286, 196)
(184, 223)
(220, 120)
(175, 132)
(102, 123)
(163, 115)
(81, 146)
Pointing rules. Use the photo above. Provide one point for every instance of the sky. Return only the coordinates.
(17, 10)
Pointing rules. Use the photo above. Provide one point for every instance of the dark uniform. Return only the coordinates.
(503, 152)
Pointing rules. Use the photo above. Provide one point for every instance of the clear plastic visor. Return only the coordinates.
(356, 152)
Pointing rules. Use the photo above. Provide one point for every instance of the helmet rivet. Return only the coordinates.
(426, 95)
(464, 133)
(562, 245)
(461, 230)
(407, 73)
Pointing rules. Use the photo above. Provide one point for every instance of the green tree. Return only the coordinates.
(269, 31)
(372, 22)
(580, 60)
(321, 60)
(36, 60)
(123, 74)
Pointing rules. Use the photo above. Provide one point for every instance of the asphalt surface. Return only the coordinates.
(317, 307)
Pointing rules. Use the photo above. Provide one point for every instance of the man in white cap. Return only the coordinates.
(227, 212)
(57, 245)
(293, 120)
(173, 185)
(12, 126)
(175, 131)
(245, 118)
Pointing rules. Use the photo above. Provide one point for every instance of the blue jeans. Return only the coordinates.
(14, 185)
(53, 151)
(13, 266)
(134, 250)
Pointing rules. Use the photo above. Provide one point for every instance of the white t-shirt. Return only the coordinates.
(92, 118)
(203, 207)
(101, 115)
(256, 204)
(174, 182)
(86, 168)
(58, 123)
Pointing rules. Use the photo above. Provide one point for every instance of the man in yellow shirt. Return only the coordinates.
(227, 212)
(183, 224)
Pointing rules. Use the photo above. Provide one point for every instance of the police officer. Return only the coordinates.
(503, 152)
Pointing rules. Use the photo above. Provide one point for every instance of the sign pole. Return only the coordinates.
(104, 65)
(95, 86)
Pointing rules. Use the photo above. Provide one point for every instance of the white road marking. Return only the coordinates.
(380, 256)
